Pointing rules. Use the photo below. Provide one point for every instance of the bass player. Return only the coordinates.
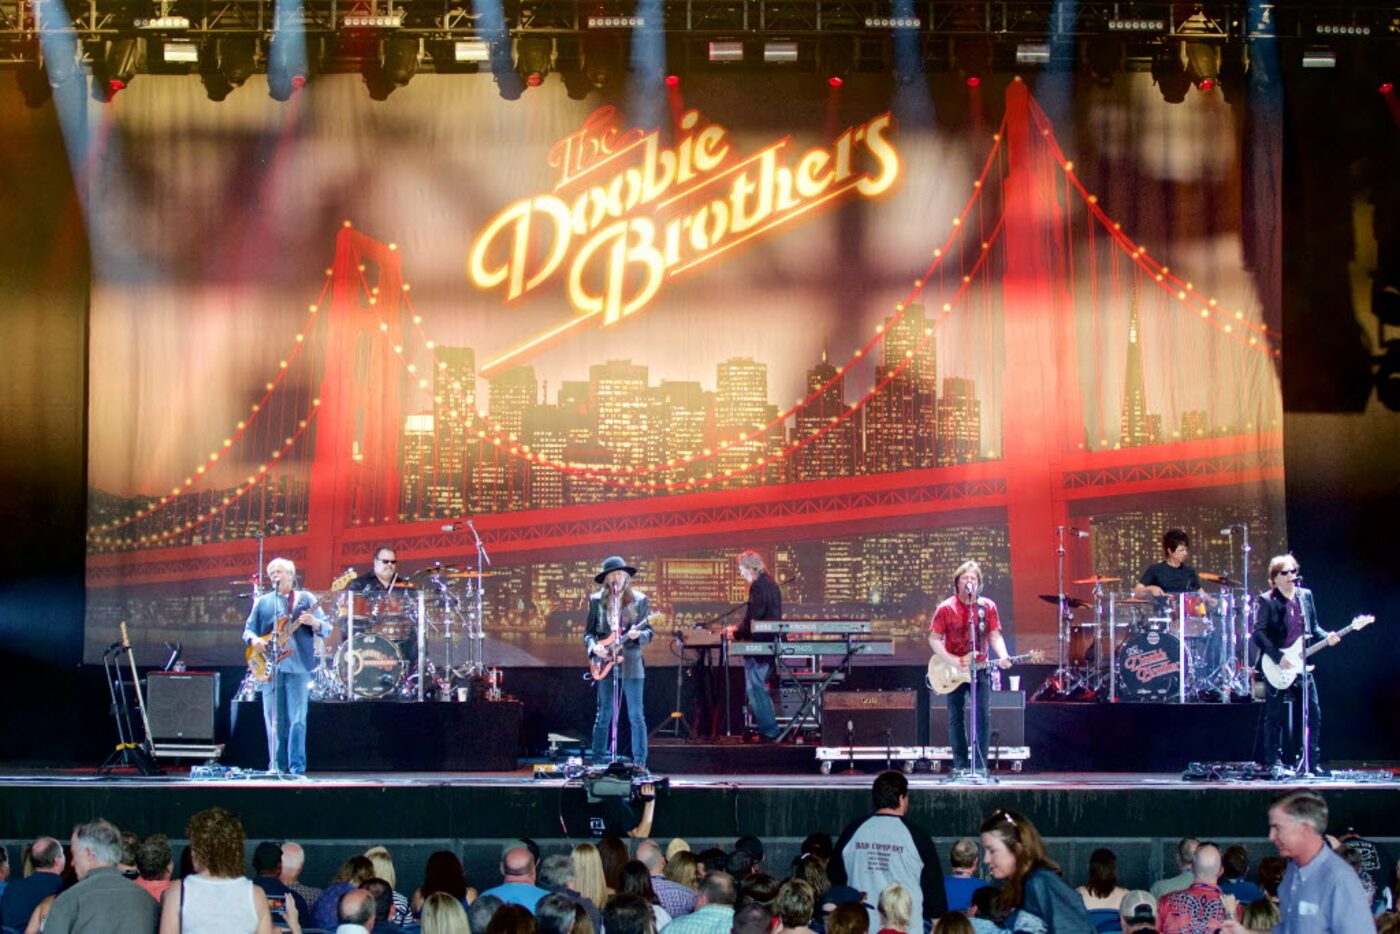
(1286, 613)
(951, 640)
(280, 633)
(617, 629)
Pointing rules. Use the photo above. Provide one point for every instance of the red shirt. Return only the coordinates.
(1196, 910)
(950, 621)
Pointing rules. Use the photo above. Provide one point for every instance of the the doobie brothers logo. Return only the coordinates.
(626, 214)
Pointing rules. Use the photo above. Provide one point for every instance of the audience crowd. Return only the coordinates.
(881, 875)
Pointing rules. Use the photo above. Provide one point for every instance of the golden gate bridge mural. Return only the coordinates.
(369, 431)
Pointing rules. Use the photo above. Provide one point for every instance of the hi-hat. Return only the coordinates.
(1224, 580)
(1074, 603)
(472, 574)
(1097, 579)
(444, 569)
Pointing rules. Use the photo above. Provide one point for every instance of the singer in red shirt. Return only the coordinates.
(950, 637)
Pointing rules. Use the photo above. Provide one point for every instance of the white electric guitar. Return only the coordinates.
(1282, 678)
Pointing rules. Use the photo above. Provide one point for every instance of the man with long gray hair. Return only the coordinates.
(103, 900)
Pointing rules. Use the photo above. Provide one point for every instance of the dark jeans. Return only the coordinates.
(1276, 721)
(958, 726)
(636, 717)
(756, 672)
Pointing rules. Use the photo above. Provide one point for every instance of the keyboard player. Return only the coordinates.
(765, 602)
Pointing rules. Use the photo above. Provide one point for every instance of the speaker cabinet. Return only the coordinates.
(870, 718)
(181, 704)
(1008, 718)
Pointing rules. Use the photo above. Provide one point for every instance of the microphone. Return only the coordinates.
(1078, 533)
(1229, 531)
(453, 526)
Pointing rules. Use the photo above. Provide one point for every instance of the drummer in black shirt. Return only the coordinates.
(1172, 575)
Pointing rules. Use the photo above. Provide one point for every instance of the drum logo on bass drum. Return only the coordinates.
(1152, 663)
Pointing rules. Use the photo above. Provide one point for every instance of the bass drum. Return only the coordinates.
(376, 665)
(1149, 667)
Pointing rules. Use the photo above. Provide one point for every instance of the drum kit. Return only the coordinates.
(1174, 648)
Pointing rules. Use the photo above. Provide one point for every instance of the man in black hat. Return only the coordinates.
(617, 629)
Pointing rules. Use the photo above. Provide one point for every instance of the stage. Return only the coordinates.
(1140, 815)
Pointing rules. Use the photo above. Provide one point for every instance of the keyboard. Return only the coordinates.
(833, 647)
(818, 627)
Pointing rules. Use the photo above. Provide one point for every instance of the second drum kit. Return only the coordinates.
(1176, 648)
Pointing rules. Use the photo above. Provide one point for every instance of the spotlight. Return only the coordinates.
(568, 61)
(1202, 64)
(1033, 53)
(1319, 58)
(725, 50)
(779, 53)
(533, 59)
(287, 55)
(1386, 87)
(1104, 57)
(602, 60)
(838, 54)
(673, 81)
(1169, 74)
(972, 58)
(471, 50)
(114, 70)
(398, 59)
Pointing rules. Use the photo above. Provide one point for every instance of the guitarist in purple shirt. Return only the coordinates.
(1286, 613)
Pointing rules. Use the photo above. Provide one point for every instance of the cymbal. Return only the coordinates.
(1074, 603)
(1223, 580)
(473, 574)
(1097, 579)
(443, 569)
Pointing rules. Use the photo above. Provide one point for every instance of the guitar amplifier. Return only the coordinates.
(870, 718)
(1008, 718)
(180, 705)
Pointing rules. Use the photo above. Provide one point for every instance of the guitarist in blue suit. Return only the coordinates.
(617, 629)
(1286, 613)
(280, 633)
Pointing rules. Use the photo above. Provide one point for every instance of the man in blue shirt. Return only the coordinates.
(281, 631)
(23, 895)
(1320, 892)
(518, 871)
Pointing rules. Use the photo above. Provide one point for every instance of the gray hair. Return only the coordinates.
(101, 839)
(285, 563)
(751, 560)
(1306, 807)
(556, 871)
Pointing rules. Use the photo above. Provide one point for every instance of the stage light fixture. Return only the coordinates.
(533, 59)
(972, 58)
(1386, 87)
(1103, 55)
(1137, 25)
(471, 50)
(237, 56)
(287, 64)
(179, 52)
(398, 59)
(1342, 29)
(114, 70)
(372, 21)
(616, 22)
(163, 23)
(1202, 63)
(726, 50)
(602, 61)
(1169, 74)
(1319, 58)
(779, 53)
(673, 81)
(838, 57)
(893, 22)
(1033, 53)
(1234, 72)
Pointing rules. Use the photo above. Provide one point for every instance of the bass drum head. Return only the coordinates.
(1149, 666)
(376, 665)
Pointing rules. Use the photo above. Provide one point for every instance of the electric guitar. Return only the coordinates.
(277, 644)
(944, 678)
(600, 665)
(1282, 678)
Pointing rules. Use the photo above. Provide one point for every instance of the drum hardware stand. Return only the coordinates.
(128, 752)
(1064, 680)
(477, 649)
(1238, 682)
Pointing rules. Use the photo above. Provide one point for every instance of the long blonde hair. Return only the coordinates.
(383, 865)
(443, 914)
(588, 873)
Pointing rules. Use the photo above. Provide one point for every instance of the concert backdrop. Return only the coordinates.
(869, 332)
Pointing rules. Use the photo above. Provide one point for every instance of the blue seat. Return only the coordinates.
(1105, 920)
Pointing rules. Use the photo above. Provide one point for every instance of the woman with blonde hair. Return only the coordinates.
(383, 862)
(1261, 915)
(588, 874)
(682, 869)
(896, 909)
(443, 914)
(217, 899)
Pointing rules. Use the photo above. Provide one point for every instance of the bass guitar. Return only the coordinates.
(944, 678)
(1282, 678)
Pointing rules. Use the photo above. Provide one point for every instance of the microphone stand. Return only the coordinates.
(974, 775)
(1305, 763)
(477, 650)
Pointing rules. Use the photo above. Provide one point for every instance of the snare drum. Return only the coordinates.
(1149, 666)
(376, 665)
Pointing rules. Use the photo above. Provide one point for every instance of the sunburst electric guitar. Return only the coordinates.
(278, 643)
(944, 678)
